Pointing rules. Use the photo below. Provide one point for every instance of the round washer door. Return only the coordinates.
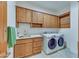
(52, 43)
(60, 41)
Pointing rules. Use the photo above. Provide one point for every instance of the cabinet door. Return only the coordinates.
(40, 18)
(3, 21)
(46, 23)
(35, 17)
(54, 22)
(50, 21)
(28, 15)
(22, 50)
(28, 49)
(65, 22)
(20, 14)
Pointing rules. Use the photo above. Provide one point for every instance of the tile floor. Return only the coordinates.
(60, 54)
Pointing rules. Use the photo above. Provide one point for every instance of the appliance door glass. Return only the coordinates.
(60, 41)
(52, 43)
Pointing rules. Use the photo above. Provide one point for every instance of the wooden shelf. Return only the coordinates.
(36, 25)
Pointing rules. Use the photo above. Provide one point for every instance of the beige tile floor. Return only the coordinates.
(60, 54)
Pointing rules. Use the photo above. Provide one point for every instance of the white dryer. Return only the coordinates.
(53, 43)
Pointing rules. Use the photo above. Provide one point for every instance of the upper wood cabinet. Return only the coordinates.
(65, 21)
(46, 20)
(23, 15)
(28, 14)
(50, 21)
(54, 22)
(37, 17)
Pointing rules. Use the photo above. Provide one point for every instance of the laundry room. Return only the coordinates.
(42, 29)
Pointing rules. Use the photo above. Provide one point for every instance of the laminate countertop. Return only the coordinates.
(31, 36)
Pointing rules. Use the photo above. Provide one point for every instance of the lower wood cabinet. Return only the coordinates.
(37, 49)
(37, 45)
(27, 47)
(22, 50)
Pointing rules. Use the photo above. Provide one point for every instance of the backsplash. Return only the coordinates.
(25, 29)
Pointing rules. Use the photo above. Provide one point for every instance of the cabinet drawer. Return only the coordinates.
(38, 43)
(23, 41)
(37, 49)
(37, 39)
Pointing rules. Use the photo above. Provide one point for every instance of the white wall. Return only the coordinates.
(71, 35)
(26, 28)
(10, 21)
(11, 13)
(74, 27)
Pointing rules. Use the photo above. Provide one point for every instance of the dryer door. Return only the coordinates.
(52, 43)
(60, 41)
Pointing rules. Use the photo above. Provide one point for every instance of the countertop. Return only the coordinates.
(31, 36)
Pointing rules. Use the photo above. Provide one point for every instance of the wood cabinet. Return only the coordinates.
(37, 17)
(3, 29)
(54, 22)
(46, 23)
(65, 21)
(27, 47)
(23, 15)
(23, 48)
(37, 45)
(50, 21)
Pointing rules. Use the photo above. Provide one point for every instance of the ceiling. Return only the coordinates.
(51, 5)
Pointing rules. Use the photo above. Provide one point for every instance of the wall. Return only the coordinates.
(11, 14)
(10, 21)
(25, 28)
(74, 28)
(71, 35)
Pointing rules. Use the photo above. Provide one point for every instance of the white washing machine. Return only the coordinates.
(53, 43)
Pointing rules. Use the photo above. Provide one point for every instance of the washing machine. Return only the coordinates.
(53, 43)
